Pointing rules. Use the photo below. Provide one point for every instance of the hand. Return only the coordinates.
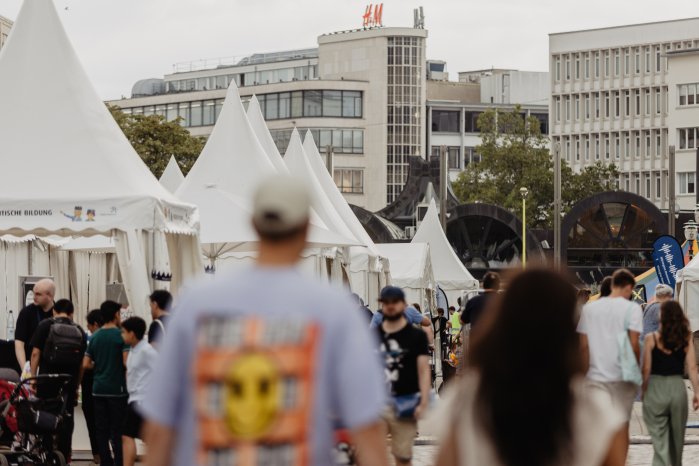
(695, 402)
(420, 410)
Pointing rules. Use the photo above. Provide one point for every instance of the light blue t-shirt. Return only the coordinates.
(267, 359)
(413, 315)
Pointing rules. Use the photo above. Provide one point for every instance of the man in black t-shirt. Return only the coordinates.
(160, 302)
(30, 317)
(40, 364)
(406, 357)
(477, 305)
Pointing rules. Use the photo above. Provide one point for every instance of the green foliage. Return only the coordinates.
(155, 139)
(514, 154)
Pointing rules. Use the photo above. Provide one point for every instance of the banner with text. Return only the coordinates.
(668, 259)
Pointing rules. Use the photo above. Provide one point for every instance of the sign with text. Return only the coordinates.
(373, 16)
(668, 259)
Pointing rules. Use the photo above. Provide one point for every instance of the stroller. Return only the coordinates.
(27, 423)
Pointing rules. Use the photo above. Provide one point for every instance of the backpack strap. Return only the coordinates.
(162, 326)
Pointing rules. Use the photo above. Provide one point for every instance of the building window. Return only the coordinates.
(647, 180)
(567, 103)
(577, 149)
(617, 148)
(471, 156)
(638, 60)
(617, 63)
(606, 63)
(577, 66)
(648, 146)
(568, 150)
(647, 101)
(342, 141)
(587, 66)
(657, 101)
(596, 147)
(627, 146)
(453, 156)
(349, 181)
(606, 147)
(558, 109)
(616, 103)
(637, 151)
(637, 93)
(686, 182)
(688, 138)
(688, 94)
(657, 186)
(596, 64)
(577, 107)
(627, 103)
(627, 61)
(638, 183)
(606, 104)
(657, 59)
(627, 183)
(558, 68)
(446, 121)
(567, 68)
(658, 144)
(587, 148)
(648, 61)
(587, 106)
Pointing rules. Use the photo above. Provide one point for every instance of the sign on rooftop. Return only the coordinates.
(373, 16)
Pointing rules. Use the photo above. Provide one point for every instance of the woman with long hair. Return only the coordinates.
(523, 401)
(668, 353)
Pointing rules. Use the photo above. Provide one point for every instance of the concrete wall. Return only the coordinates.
(465, 93)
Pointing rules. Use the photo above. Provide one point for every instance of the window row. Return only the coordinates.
(686, 183)
(456, 162)
(343, 141)
(613, 145)
(299, 104)
(297, 73)
(349, 180)
(646, 184)
(448, 121)
(612, 104)
(687, 138)
(688, 94)
(199, 113)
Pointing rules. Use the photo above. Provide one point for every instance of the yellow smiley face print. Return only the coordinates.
(252, 396)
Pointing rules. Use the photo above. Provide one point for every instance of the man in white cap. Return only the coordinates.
(261, 367)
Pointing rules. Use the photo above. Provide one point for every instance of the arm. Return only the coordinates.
(584, 353)
(19, 353)
(648, 346)
(616, 455)
(691, 362)
(449, 451)
(425, 321)
(424, 379)
(36, 357)
(160, 440)
(88, 363)
(125, 356)
(635, 338)
(371, 444)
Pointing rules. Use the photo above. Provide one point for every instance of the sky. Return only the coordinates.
(122, 41)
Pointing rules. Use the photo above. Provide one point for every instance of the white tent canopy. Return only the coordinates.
(257, 121)
(68, 169)
(172, 176)
(688, 296)
(411, 270)
(450, 273)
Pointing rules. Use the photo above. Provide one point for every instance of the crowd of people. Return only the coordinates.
(241, 375)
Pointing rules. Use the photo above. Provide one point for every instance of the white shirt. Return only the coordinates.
(139, 365)
(602, 321)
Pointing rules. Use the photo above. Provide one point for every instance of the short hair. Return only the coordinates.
(109, 310)
(135, 325)
(452, 308)
(284, 236)
(162, 298)
(491, 281)
(440, 310)
(417, 306)
(605, 287)
(64, 306)
(622, 278)
(94, 317)
(664, 290)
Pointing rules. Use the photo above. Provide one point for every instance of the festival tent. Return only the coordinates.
(369, 272)
(257, 121)
(411, 270)
(222, 183)
(688, 291)
(172, 177)
(450, 273)
(68, 170)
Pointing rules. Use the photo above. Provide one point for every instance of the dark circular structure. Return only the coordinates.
(487, 237)
(610, 230)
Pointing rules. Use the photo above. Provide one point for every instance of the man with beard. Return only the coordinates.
(406, 359)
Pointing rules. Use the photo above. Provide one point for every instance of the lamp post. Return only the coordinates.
(690, 233)
(524, 192)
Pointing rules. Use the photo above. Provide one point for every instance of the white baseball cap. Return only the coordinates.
(281, 204)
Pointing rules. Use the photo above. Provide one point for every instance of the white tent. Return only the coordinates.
(369, 272)
(450, 273)
(222, 183)
(411, 270)
(688, 291)
(257, 121)
(68, 169)
(172, 176)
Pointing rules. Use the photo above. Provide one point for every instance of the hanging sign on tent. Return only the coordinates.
(668, 259)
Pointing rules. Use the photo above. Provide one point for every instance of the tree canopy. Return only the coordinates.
(515, 154)
(155, 139)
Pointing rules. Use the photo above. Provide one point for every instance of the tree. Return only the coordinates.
(514, 154)
(155, 139)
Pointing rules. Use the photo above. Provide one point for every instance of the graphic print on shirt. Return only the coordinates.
(254, 391)
(393, 356)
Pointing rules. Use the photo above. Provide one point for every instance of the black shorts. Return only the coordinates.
(133, 422)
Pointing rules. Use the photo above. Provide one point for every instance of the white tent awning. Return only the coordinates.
(172, 177)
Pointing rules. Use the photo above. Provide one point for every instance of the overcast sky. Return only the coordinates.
(122, 41)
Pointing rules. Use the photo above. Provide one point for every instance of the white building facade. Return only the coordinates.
(361, 93)
(610, 99)
(5, 26)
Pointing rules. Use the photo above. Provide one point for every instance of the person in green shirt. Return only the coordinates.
(106, 357)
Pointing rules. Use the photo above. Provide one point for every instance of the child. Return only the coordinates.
(139, 365)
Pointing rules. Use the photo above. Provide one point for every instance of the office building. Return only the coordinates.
(361, 93)
(610, 100)
(453, 109)
(5, 26)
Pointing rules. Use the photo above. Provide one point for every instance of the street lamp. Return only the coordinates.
(524, 192)
(690, 233)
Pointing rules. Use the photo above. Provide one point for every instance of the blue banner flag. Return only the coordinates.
(668, 259)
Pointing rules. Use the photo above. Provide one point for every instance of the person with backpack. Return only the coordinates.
(106, 355)
(58, 348)
(160, 302)
(94, 322)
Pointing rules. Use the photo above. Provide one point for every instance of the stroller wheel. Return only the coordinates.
(3, 461)
(56, 458)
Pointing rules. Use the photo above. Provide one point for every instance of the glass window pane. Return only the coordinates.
(271, 106)
(171, 112)
(285, 105)
(296, 104)
(357, 181)
(346, 140)
(325, 138)
(219, 106)
(337, 138)
(692, 90)
(149, 110)
(358, 141)
(690, 138)
(184, 114)
(332, 103)
(312, 103)
(209, 112)
(196, 115)
(161, 110)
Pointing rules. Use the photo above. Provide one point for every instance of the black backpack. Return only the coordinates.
(64, 344)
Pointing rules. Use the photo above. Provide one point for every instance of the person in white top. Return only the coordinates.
(523, 401)
(600, 324)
